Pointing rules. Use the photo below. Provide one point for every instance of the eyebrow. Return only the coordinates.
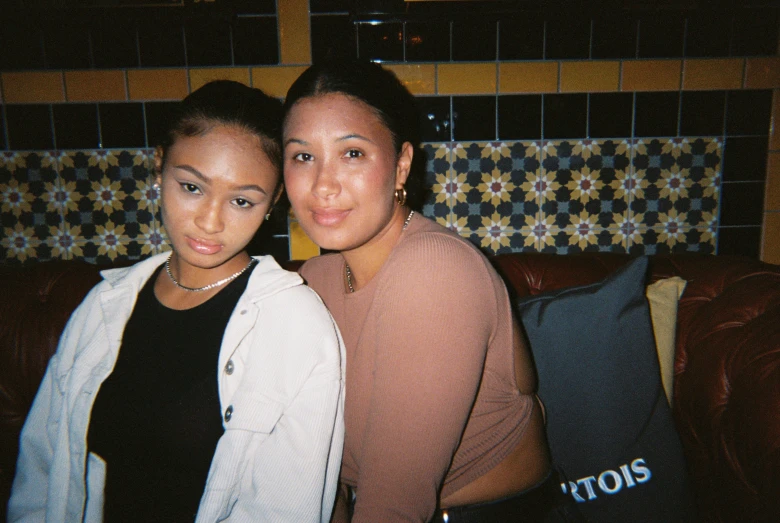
(300, 141)
(192, 170)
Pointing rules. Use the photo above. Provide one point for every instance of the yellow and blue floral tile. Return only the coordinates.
(583, 178)
(441, 190)
(490, 178)
(19, 244)
(111, 200)
(676, 176)
(585, 236)
(28, 185)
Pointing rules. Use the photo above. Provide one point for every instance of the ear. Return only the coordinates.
(404, 164)
(158, 164)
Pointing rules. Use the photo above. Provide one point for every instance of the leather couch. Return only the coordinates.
(727, 362)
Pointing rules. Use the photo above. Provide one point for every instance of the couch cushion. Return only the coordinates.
(609, 425)
(663, 297)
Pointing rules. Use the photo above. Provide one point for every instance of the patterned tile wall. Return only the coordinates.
(640, 196)
(564, 196)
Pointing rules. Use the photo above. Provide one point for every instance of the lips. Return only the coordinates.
(329, 217)
(203, 246)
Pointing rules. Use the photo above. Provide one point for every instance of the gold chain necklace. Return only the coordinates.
(348, 271)
(210, 286)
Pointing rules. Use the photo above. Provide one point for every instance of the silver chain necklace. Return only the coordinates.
(348, 271)
(210, 286)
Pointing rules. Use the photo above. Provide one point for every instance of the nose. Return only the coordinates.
(326, 184)
(209, 217)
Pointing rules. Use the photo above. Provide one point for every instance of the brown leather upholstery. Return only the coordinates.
(727, 365)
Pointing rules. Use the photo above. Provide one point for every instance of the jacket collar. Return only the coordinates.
(267, 279)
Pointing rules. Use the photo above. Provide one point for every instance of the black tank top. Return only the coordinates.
(157, 418)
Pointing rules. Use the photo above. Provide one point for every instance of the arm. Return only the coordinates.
(437, 310)
(29, 492)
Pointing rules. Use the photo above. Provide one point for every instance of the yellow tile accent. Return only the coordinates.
(157, 84)
(651, 75)
(200, 77)
(301, 247)
(774, 128)
(762, 73)
(770, 251)
(294, 31)
(477, 78)
(530, 77)
(95, 86)
(33, 87)
(723, 73)
(772, 202)
(586, 77)
(418, 78)
(275, 81)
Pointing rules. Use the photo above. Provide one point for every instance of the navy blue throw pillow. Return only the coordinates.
(610, 428)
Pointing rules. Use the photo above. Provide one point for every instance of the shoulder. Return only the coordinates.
(319, 266)
(438, 253)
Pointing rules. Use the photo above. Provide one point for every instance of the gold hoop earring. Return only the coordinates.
(400, 195)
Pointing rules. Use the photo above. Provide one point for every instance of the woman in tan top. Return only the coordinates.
(442, 423)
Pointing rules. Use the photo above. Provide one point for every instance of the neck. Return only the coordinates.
(195, 277)
(366, 261)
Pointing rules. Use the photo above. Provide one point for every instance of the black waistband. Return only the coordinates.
(533, 504)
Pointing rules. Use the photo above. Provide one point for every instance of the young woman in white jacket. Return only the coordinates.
(202, 384)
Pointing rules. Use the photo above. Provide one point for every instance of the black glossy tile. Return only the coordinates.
(21, 45)
(122, 125)
(3, 139)
(755, 32)
(255, 41)
(565, 115)
(161, 43)
(427, 41)
(742, 203)
(29, 127)
(66, 44)
(567, 37)
(610, 115)
(75, 126)
(254, 6)
(114, 43)
(208, 41)
(158, 115)
(749, 112)
(661, 36)
(520, 117)
(614, 36)
(702, 112)
(435, 120)
(474, 40)
(521, 38)
(381, 41)
(330, 6)
(655, 114)
(744, 159)
(740, 241)
(264, 244)
(708, 35)
(474, 117)
(333, 36)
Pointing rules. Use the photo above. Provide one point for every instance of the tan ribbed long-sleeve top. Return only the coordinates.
(431, 396)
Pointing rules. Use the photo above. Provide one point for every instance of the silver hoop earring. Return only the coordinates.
(268, 216)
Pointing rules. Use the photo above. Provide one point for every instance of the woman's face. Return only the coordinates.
(215, 191)
(341, 170)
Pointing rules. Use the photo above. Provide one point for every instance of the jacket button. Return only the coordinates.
(229, 413)
(229, 367)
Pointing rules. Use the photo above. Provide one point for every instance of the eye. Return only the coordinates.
(190, 188)
(303, 157)
(354, 153)
(243, 203)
